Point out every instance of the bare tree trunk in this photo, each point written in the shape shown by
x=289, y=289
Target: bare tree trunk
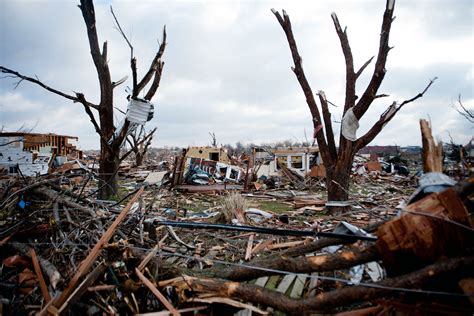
x=338, y=186
x=337, y=182
x=139, y=158
x=108, y=166
x=338, y=161
x=110, y=144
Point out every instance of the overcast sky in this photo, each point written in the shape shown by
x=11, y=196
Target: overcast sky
x=227, y=66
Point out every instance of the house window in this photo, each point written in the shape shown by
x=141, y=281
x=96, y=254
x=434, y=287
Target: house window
x=214, y=156
x=296, y=162
x=13, y=169
x=234, y=174
x=280, y=161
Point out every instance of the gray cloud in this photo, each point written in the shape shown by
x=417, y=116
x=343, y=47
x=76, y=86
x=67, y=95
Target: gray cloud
x=227, y=65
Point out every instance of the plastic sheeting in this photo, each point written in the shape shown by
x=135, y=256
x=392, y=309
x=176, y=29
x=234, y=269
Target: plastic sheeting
x=138, y=111
x=350, y=124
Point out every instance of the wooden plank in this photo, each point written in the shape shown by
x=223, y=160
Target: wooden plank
x=288, y=244
x=285, y=283
x=261, y=246
x=80, y=289
x=157, y=293
x=298, y=286
x=313, y=283
x=39, y=274
x=272, y=282
x=248, y=252
x=261, y=281
x=148, y=257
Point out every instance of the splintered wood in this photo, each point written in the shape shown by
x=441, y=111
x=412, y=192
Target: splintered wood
x=432, y=152
x=431, y=227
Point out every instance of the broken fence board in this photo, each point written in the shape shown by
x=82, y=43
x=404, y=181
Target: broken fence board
x=298, y=286
x=313, y=283
x=248, y=252
x=286, y=283
x=261, y=281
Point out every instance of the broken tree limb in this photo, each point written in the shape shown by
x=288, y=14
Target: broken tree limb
x=432, y=152
x=55, y=196
x=285, y=23
x=15, y=74
x=87, y=263
x=387, y=116
x=313, y=246
x=327, y=300
x=326, y=262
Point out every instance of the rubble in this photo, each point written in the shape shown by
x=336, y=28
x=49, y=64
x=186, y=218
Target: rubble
x=165, y=247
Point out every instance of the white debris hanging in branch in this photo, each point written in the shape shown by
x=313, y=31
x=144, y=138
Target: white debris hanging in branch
x=139, y=112
x=350, y=124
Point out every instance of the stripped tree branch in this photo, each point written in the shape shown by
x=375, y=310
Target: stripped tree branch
x=139, y=145
x=328, y=124
x=361, y=70
x=99, y=59
x=156, y=81
x=387, y=117
x=350, y=75
x=466, y=113
x=16, y=74
x=379, y=72
x=300, y=75
x=155, y=64
x=133, y=60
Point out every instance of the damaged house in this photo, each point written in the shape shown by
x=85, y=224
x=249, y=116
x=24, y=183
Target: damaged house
x=33, y=153
x=204, y=165
x=297, y=159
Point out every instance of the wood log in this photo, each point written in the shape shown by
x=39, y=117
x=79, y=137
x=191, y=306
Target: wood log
x=326, y=262
x=327, y=300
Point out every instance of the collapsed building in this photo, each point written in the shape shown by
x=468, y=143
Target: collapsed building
x=33, y=153
x=298, y=159
x=205, y=165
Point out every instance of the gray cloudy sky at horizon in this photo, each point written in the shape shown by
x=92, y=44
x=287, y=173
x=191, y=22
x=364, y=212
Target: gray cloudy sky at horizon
x=227, y=66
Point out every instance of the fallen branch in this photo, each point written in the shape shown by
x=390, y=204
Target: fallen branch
x=327, y=300
x=326, y=262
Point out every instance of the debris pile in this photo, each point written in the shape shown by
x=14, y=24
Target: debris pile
x=265, y=251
